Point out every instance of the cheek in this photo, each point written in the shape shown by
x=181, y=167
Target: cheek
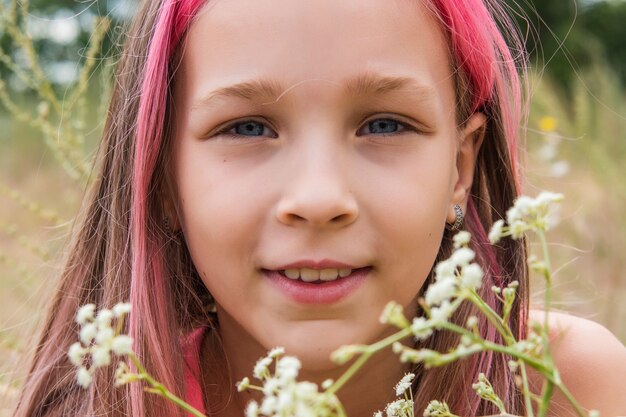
x=220, y=211
x=408, y=205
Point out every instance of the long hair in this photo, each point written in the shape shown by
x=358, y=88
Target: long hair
x=119, y=248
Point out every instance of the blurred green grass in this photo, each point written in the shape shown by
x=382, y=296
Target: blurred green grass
x=584, y=130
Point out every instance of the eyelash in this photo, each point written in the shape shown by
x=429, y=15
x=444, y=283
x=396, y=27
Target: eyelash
x=225, y=131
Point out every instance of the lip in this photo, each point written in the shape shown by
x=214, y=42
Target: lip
x=321, y=293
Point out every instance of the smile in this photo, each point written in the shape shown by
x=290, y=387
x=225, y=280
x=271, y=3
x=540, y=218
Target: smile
x=312, y=275
x=317, y=286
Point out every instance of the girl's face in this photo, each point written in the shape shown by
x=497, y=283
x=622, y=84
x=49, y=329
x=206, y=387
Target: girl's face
x=315, y=139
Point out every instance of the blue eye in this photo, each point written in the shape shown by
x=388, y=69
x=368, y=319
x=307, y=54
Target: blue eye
x=385, y=127
x=247, y=128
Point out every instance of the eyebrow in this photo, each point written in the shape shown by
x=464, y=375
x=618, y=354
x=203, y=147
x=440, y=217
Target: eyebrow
x=367, y=83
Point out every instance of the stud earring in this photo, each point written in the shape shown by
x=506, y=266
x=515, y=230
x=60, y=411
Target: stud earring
x=459, y=219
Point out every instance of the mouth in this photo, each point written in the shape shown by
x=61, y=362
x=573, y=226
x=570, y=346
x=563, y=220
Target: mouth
x=317, y=286
x=316, y=275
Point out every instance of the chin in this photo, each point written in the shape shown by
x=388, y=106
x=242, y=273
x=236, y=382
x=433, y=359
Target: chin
x=314, y=342
x=314, y=357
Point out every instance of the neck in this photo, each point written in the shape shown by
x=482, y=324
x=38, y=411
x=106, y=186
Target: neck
x=369, y=390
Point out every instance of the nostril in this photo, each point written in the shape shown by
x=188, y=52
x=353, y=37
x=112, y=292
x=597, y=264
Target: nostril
x=323, y=210
x=340, y=218
x=296, y=217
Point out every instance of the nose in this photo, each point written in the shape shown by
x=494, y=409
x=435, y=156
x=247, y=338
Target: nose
x=318, y=194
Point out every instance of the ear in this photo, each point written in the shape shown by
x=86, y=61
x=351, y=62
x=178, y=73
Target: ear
x=471, y=136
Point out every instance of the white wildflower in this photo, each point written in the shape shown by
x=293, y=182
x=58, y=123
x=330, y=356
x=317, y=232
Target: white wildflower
x=437, y=409
x=531, y=214
x=472, y=321
x=283, y=395
x=269, y=406
x=421, y=328
x=404, y=384
x=121, y=309
x=88, y=333
x=345, y=353
x=536, y=264
x=99, y=340
x=101, y=356
x=122, y=345
x=496, y=232
x=445, y=269
x=123, y=375
x=509, y=295
x=287, y=368
x=378, y=414
x=594, y=413
x=243, y=384
x=276, y=352
x=105, y=336
x=406, y=354
x=393, y=314
x=77, y=354
x=440, y=291
x=83, y=377
x=465, y=339
x=517, y=229
x=461, y=239
x=462, y=256
x=327, y=383
x=483, y=386
x=513, y=366
x=522, y=207
x=85, y=314
x=400, y=408
x=252, y=409
x=271, y=386
x=261, y=369
x=465, y=349
x=546, y=198
x=104, y=318
x=442, y=313
x=472, y=276
x=305, y=389
x=285, y=400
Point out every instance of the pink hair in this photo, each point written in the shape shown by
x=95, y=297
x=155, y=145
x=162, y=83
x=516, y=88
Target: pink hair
x=482, y=54
x=479, y=52
x=147, y=266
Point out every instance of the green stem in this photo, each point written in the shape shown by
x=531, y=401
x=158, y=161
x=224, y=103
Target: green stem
x=388, y=341
x=548, y=390
x=493, y=317
x=548, y=296
x=341, y=411
x=527, y=400
x=160, y=389
x=568, y=395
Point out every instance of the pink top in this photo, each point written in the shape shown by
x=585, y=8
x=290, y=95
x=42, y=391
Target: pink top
x=191, y=354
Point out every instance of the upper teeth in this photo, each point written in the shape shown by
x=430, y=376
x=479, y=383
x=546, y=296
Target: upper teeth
x=310, y=275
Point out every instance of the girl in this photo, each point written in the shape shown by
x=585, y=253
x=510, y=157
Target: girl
x=273, y=173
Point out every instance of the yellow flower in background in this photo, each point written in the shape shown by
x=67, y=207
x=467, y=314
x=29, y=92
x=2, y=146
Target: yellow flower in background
x=547, y=124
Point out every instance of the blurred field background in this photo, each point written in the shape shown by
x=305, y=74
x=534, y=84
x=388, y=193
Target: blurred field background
x=576, y=145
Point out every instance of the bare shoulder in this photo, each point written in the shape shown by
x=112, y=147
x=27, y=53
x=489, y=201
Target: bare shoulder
x=591, y=361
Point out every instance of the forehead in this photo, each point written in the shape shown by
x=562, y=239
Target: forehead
x=312, y=45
